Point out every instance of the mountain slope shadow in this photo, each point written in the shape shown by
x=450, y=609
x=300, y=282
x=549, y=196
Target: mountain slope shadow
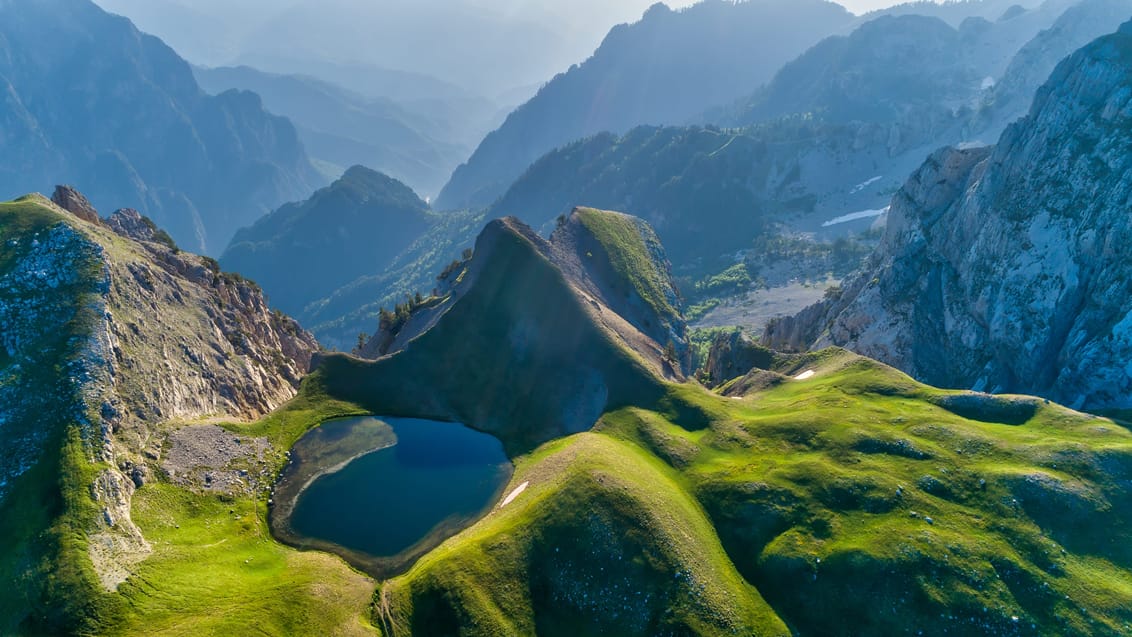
x=528, y=344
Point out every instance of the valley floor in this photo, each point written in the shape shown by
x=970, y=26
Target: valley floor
x=753, y=310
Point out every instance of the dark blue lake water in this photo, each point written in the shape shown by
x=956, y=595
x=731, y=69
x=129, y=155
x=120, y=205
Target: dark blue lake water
x=435, y=480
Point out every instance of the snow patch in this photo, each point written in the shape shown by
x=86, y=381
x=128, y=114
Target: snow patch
x=854, y=216
x=806, y=375
x=861, y=186
x=514, y=494
x=971, y=145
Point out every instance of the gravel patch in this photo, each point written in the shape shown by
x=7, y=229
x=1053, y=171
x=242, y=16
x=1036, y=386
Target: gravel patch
x=214, y=459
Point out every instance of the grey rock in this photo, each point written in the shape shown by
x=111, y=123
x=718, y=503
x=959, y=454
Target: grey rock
x=1005, y=269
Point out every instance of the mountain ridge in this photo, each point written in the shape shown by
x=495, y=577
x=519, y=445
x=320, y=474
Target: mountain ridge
x=349, y=229
x=1018, y=260
x=201, y=166
x=633, y=79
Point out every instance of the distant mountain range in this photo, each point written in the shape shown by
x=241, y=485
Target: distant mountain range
x=352, y=228
x=419, y=141
x=1000, y=268
x=116, y=112
x=479, y=37
x=665, y=69
x=833, y=134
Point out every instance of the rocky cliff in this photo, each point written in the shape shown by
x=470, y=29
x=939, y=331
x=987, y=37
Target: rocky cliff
x=112, y=337
x=1031, y=66
x=1002, y=268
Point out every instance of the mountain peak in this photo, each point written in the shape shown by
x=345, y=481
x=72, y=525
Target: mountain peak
x=349, y=229
x=569, y=326
x=74, y=202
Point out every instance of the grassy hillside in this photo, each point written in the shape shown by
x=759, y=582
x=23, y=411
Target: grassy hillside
x=605, y=541
x=216, y=570
x=829, y=495
x=44, y=463
x=856, y=502
x=633, y=256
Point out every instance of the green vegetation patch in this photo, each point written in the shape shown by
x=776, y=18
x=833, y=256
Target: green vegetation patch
x=216, y=569
x=853, y=502
x=604, y=540
x=632, y=249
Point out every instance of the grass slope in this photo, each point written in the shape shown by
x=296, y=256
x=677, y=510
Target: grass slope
x=633, y=251
x=216, y=570
x=45, y=514
x=857, y=502
x=605, y=542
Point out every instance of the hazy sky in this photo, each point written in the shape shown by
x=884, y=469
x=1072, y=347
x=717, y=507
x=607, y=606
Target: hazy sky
x=270, y=33
x=856, y=6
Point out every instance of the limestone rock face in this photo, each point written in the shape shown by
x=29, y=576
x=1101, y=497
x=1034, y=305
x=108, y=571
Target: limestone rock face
x=191, y=340
x=75, y=203
x=111, y=328
x=732, y=355
x=1006, y=269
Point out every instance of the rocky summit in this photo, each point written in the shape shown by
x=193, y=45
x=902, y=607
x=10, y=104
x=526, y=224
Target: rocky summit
x=1002, y=268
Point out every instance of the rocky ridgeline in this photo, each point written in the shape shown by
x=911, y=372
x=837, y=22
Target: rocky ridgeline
x=140, y=334
x=1005, y=269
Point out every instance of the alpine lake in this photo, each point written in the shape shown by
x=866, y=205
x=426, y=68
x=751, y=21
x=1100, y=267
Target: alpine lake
x=381, y=492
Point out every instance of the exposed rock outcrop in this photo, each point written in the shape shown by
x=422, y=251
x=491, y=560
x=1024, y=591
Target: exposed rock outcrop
x=1003, y=269
x=75, y=203
x=1080, y=24
x=112, y=328
x=732, y=355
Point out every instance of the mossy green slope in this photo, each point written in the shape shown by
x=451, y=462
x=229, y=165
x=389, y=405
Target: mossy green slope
x=42, y=424
x=605, y=541
x=622, y=263
x=856, y=502
x=853, y=502
x=632, y=249
x=216, y=569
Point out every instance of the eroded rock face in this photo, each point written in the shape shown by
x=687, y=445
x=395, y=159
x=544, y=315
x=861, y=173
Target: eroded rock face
x=732, y=355
x=75, y=203
x=1006, y=269
x=111, y=328
x=191, y=341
